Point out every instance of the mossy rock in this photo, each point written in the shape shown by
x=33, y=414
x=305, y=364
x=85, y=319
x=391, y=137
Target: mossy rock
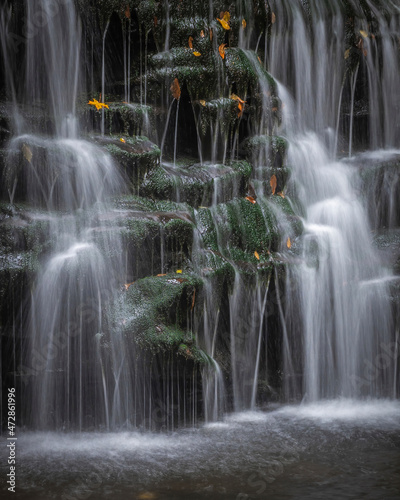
x=197, y=185
x=136, y=155
x=263, y=150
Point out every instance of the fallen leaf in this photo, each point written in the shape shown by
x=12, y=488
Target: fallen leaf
x=158, y=275
x=274, y=110
x=244, y=24
x=221, y=50
x=197, y=54
x=98, y=104
x=288, y=243
x=127, y=285
x=224, y=24
x=128, y=12
x=347, y=53
x=147, y=495
x=364, y=34
x=226, y=17
x=211, y=35
x=240, y=108
x=273, y=18
x=190, y=42
x=202, y=102
x=175, y=89
x=122, y=140
x=237, y=98
x=202, y=34
x=365, y=52
x=259, y=59
x=26, y=151
x=179, y=271
x=273, y=183
x=251, y=200
x=155, y=21
x=193, y=299
x=281, y=194
x=256, y=255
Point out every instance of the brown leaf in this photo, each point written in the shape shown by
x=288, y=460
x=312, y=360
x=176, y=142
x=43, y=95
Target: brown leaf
x=273, y=18
x=26, y=151
x=221, y=50
x=365, y=52
x=274, y=110
x=176, y=89
x=193, y=299
x=190, y=42
x=288, y=243
x=128, y=12
x=202, y=34
x=127, y=285
x=347, y=54
x=211, y=35
x=256, y=255
x=251, y=200
x=281, y=194
x=273, y=182
x=158, y=275
x=155, y=21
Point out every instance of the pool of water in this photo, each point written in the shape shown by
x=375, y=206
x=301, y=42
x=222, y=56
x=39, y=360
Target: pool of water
x=332, y=450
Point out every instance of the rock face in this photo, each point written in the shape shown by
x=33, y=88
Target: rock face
x=196, y=175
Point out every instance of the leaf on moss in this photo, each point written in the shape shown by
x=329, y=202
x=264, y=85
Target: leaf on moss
x=281, y=194
x=202, y=34
x=256, y=255
x=203, y=103
x=158, y=275
x=179, y=271
x=273, y=182
x=127, y=285
x=237, y=98
x=224, y=24
x=251, y=200
x=122, y=140
x=197, y=54
x=190, y=42
x=98, y=104
x=176, y=89
x=221, y=50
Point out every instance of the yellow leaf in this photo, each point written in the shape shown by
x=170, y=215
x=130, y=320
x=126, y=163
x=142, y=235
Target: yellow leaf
x=197, y=54
x=224, y=24
x=347, y=53
x=179, y=271
x=202, y=102
x=175, y=89
x=202, y=34
x=251, y=200
x=244, y=24
x=190, y=42
x=127, y=285
x=98, y=104
x=26, y=151
x=364, y=34
x=122, y=140
x=288, y=243
x=221, y=50
x=256, y=255
x=226, y=17
x=237, y=98
x=273, y=18
x=273, y=183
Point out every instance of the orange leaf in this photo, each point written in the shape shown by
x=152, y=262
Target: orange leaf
x=122, y=140
x=273, y=18
x=240, y=107
x=203, y=103
x=211, y=35
x=175, y=89
x=128, y=12
x=190, y=42
x=224, y=24
x=226, y=17
x=158, y=275
x=288, y=243
x=221, y=50
x=237, y=98
x=127, y=285
x=98, y=104
x=202, y=34
x=259, y=59
x=251, y=200
x=193, y=299
x=256, y=255
x=273, y=183
x=197, y=54
x=281, y=194
x=244, y=24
